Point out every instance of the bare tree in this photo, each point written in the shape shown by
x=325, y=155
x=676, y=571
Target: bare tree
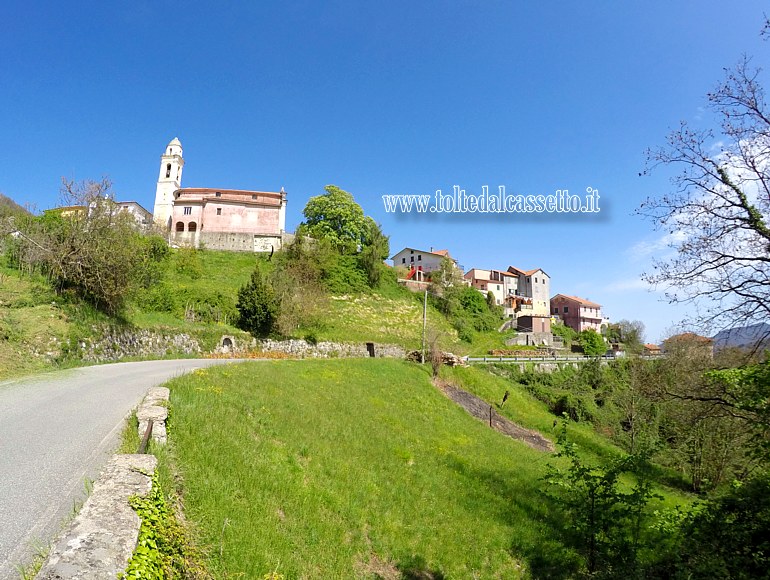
x=717, y=217
x=88, y=247
x=435, y=353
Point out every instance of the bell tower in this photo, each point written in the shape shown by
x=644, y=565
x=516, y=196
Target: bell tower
x=169, y=180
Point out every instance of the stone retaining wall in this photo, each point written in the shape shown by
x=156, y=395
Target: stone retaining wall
x=304, y=349
x=115, y=345
x=102, y=538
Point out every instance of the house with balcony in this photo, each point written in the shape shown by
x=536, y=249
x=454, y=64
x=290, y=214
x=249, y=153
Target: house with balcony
x=577, y=313
x=531, y=304
x=419, y=263
x=502, y=285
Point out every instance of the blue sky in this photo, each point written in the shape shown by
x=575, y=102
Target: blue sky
x=382, y=98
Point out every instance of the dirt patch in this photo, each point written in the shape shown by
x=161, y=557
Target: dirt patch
x=480, y=409
x=374, y=565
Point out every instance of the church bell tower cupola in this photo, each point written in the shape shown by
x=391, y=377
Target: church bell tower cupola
x=169, y=180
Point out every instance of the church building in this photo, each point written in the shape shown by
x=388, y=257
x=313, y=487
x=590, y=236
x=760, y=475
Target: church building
x=216, y=218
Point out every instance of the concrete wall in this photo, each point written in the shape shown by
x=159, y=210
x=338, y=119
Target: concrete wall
x=531, y=338
x=241, y=242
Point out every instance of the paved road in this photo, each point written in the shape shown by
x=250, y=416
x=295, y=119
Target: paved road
x=56, y=430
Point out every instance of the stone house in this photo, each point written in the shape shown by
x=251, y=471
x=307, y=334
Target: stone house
x=502, y=285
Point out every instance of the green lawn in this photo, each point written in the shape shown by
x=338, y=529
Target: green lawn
x=339, y=469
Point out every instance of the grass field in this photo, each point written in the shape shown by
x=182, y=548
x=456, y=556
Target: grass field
x=359, y=468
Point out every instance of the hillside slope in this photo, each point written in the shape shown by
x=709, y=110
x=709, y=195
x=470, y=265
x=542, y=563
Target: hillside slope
x=33, y=325
x=197, y=297
x=362, y=468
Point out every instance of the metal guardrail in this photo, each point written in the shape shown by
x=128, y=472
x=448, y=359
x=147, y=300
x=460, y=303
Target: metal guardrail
x=545, y=358
x=542, y=358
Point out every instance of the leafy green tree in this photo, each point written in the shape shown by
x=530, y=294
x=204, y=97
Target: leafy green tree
x=567, y=334
x=373, y=254
x=257, y=304
x=727, y=536
x=335, y=216
x=606, y=521
x=592, y=343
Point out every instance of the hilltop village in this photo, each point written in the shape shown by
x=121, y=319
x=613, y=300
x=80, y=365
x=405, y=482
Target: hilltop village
x=255, y=221
x=524, y=295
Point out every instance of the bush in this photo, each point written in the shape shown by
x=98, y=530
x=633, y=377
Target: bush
x=575, y=407
x=161, y=298
x=257, y=305
x=726, y=537
x=567, y=334
x=344, y=276
x=96, y=254
x=605, y=521
x=592, y=343
x=188, y=263
x=464, y=329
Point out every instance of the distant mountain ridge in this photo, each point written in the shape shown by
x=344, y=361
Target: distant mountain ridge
x=8, y=207
x=743, y=336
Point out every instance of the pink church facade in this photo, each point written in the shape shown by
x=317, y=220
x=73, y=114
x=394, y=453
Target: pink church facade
x=229, y=219
x=221, y=219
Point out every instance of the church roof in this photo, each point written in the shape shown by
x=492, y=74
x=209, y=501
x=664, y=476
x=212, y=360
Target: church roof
x=175, y=141
x=219, y=195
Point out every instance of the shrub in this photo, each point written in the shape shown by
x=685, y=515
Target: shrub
x=345, y=276
x=257, y=305
x=592, y=343
x=606, y=522
x=188, y=263
x=160, y=298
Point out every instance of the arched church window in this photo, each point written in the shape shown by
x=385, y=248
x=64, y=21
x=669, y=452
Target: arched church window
x=180, y=226
x=168, y=170
x=192, y=226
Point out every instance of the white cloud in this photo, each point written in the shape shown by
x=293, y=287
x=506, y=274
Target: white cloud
x=657, y=247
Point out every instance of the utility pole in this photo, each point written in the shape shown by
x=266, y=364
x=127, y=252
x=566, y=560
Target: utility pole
x=424, y=322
